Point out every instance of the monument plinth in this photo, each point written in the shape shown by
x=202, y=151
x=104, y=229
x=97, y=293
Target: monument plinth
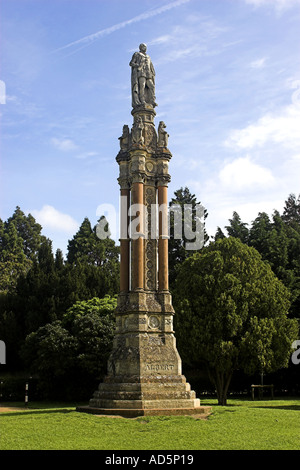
x=144, y=374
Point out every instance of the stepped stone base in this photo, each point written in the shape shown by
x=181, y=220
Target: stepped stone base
x=145, y=396
x=144, y=374
x=134, y=413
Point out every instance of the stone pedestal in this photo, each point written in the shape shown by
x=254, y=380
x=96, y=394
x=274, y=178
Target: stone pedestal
x=144, y=369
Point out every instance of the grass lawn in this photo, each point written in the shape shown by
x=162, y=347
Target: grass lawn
x=241, y=425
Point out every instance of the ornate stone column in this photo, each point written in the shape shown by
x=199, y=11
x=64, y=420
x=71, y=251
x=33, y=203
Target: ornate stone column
x=163, y=273
x=124, y=240
x=144, y=375
x=137, y=239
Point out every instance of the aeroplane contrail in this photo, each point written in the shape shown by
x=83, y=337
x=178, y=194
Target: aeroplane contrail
x=86, y=40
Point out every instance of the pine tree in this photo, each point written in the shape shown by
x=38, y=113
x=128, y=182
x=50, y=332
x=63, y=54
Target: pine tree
x=13, y=261
x=59, y=260
x=36, y=290
x=219, y=234
x=29, y=231
x=20, y=239
x=178, y=251
x=259, y=234
x=278, y=242
x=291, y=212
x=81, y=247
x=237, y=228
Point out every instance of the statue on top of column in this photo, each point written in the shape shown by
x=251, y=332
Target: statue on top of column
x=142, y=78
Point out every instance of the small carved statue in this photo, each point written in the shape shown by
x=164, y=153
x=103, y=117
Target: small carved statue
x=124, y=139
x=142, y=78
x=162, y=135
x=137, y=131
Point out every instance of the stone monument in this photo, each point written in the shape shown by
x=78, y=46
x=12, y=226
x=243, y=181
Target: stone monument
x=144, y=374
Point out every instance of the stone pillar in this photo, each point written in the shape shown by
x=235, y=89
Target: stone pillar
x=163, y=284
x=124, y=241
x=137, y=197
x=144, y=374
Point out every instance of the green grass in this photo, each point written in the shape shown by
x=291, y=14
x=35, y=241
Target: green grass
x=243, y=425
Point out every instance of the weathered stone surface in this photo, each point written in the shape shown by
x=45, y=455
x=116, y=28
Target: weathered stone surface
x=144, y=369
x=133, y=413
x=144, y=373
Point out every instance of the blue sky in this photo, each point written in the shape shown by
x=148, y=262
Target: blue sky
x=227, y=87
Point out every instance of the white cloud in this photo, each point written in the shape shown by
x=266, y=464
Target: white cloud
x=248, y=211
x=243, y=174
x=279, y=5
x=280, y=128
x=196, y=36
x=160, y=40
x=51, y=218
x=84, y=155
x=258, y=64
x=65, y=145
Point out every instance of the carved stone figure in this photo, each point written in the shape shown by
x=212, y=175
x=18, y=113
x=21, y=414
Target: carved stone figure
x=162, y=135
x=137, y=131
x=142, y=78
x=124, y=139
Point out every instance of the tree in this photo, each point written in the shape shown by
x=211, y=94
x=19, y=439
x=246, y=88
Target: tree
x=20, y=239
x=178, y=251
x=259, y=234
x=36, y=291
x=86, y=248
x=69, y=354
x=237, y=228
x=234, y=312
x=278, y=242
x=92, y=323
x=13, y=261
x=98, y=257
x=291, y=211
x=50, y=353
x=219, y=234
x=29, y=231
x=104, y=307
x=81, y=247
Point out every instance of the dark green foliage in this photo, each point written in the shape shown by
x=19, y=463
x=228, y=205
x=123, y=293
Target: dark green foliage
x=42, y=290
x=28, y=230
x=233, y=309
x=69, y=355
x=278, y=241
x=38, y=287
x=237, y=228
x=20, y=240
x=178, y=251
x=291, y=212
x=86, y=248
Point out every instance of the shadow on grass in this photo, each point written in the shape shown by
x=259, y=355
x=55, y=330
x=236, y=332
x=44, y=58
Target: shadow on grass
x=28, y=411
x=280, y=407
x=216, y=405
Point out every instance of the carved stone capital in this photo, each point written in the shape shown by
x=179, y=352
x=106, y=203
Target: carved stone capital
x=122, y=156
x=163, y=180
x=137, y=177
x=144, y=110
x=124, y=183
x=163, y=153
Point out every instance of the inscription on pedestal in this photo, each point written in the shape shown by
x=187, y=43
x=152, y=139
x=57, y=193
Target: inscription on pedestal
x=159, y=367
